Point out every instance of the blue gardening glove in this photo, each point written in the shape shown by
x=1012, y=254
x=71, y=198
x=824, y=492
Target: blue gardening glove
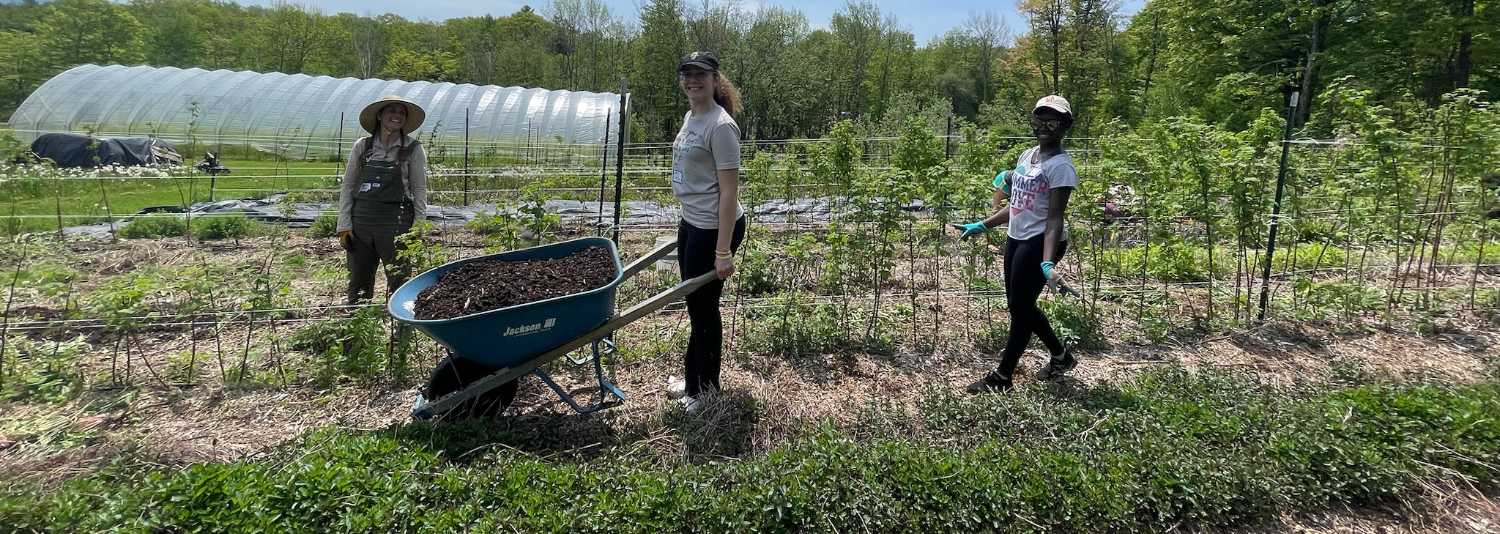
x=1000, y=179
x=971, y=229
x=1049, y=272
x=1000, y=182
x=1055, y=279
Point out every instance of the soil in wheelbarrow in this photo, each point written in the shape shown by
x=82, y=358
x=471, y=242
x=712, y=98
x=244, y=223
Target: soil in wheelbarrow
x=490, y=285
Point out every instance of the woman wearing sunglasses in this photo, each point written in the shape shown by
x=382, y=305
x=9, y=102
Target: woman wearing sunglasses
x=1036, y=239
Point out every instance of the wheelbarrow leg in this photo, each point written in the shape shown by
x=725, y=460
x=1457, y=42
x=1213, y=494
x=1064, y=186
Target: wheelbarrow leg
x=601, y=396
x=605, y=382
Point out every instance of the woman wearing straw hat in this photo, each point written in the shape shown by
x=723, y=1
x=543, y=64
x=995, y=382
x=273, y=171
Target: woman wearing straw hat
x=384, y=187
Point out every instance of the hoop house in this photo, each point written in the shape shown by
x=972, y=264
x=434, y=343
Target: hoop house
x=298, y=113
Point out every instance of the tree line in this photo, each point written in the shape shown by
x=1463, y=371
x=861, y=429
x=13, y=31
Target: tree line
x=1217, y=60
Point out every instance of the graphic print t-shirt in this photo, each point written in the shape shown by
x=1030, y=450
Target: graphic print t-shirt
x=1030, y=192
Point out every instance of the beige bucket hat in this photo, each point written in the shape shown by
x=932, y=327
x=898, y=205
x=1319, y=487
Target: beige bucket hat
x=369, y=118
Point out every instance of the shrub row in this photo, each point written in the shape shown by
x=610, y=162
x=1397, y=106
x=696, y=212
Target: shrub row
x=204, y=228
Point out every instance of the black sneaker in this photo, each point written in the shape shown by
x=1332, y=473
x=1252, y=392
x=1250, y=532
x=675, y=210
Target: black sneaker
x=991, y=383
x=1058, y=365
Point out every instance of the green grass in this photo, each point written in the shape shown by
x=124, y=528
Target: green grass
x=36, y=201
x=84, y=201
x=1168, y=449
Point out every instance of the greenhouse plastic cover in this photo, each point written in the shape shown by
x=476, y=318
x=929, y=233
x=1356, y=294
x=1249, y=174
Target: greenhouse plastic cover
x=275, y=110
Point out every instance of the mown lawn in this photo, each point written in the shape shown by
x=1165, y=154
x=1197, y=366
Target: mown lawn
x=34, y=199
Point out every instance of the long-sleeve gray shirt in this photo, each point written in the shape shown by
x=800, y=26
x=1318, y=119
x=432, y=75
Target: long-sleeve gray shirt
x=415, y=174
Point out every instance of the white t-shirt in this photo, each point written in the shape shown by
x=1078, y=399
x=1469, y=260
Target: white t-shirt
x=707, y=143
x=1030, y=192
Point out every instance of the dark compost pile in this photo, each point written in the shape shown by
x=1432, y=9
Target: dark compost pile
x=489, y=285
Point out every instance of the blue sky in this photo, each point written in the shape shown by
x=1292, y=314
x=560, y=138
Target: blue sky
x=924, y=19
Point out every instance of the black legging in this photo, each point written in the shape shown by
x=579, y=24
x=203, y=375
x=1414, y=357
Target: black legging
x=1023, y=286
x=695, y=256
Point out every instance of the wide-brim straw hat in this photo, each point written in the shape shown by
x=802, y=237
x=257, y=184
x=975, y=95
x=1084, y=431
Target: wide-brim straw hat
x=369, y=118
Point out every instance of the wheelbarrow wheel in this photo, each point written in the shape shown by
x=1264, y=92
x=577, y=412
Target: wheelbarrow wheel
x=453, y=374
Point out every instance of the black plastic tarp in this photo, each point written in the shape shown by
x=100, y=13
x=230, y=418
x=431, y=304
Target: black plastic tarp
x=74, y=150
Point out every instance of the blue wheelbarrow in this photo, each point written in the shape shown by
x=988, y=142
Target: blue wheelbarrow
x=488, y=351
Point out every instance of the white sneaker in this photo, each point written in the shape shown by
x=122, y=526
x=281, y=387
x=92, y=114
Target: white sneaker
x=676, y=388
x=690, y=404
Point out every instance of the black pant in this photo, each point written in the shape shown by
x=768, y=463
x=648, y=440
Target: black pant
x=705, y=351
x=1023, y=286
x=367, y=250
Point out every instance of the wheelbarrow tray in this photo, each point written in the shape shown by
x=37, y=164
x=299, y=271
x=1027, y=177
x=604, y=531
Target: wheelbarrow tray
x=480, y=337
x=514, y=335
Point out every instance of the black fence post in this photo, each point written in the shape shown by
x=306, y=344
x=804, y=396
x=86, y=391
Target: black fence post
x=466, y=156
x=620, y=158
x=339, y=145
x=1265, y=277
x=603, y=169
x=948, y=140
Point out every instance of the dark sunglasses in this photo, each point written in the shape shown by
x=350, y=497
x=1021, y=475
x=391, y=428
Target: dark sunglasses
x=1050, y=124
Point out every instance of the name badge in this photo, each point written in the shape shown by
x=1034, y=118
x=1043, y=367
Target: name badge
x=676, y=176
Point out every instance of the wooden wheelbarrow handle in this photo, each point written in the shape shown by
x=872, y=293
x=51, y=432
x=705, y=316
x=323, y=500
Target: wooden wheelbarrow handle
x=650, y=257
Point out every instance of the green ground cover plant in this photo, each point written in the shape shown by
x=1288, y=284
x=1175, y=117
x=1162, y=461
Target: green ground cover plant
x=225, y=227
x=1166, y=449
x=154, y=227
x=325, y=225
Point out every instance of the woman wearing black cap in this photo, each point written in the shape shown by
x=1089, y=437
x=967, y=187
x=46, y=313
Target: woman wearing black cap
x=705, y=178
x=384, y=187
x=1038, y=191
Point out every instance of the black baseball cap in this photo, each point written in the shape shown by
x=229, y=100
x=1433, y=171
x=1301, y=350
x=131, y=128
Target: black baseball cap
x=700, y=60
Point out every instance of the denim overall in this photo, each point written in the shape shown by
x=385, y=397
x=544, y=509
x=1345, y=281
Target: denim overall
x=381, y=211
